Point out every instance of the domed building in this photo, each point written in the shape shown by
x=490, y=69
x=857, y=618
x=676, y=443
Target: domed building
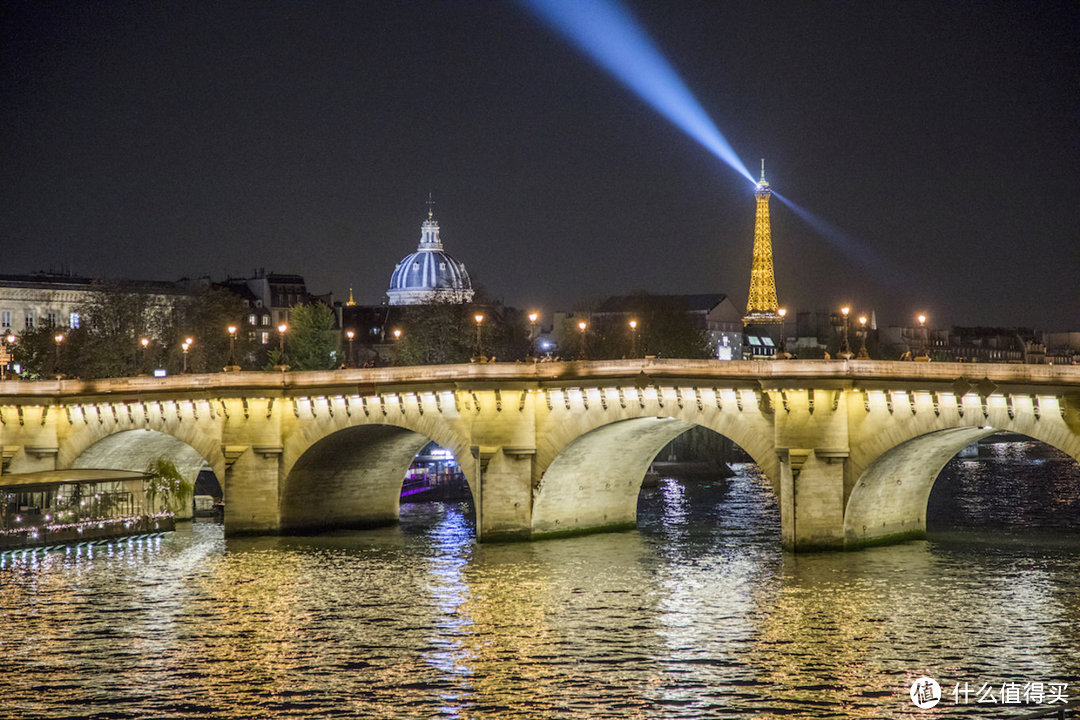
x=429, y=275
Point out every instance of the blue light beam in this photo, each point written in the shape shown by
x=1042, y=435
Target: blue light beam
x=889, y=275
x=612, y=38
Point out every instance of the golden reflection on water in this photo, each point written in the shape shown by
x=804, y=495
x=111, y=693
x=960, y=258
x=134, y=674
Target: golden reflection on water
x=697, y=614
x=520, y=619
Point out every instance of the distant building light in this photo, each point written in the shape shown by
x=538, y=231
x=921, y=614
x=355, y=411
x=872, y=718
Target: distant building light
x=160, y=372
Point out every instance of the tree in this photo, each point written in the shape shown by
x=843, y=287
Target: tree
x=35, y=352
x=312, y=342
x=444, y=332
x=112, y=322
x=665, y=328
x=166, y=484
x=204, y=317
x=436, y=334
x=510, y=335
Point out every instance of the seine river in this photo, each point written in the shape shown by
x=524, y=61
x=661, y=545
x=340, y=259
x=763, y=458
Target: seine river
x=696, y=614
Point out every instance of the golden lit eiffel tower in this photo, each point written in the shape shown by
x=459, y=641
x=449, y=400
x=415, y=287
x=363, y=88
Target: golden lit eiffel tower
x=761, y=307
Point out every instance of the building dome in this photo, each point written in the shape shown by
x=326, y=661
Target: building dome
x=429, y=275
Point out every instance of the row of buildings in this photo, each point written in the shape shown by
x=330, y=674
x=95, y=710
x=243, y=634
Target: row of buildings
x=430, y=275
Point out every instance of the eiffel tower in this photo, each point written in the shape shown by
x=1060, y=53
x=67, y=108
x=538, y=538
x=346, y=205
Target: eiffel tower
x=761, y=307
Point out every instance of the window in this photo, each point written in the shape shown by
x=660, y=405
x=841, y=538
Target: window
x=266, y=320
x=73, y=321
x=264, y=337
x=5, y=318
x=52, y=318
x=29, y=319
x=251, y=320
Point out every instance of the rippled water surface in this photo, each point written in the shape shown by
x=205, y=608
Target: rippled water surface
x=698, y=613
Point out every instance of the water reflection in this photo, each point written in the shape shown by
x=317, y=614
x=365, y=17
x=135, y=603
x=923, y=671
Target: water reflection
x=696, y=614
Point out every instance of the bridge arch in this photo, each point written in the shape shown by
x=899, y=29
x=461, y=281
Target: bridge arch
x=92, y=426
x=594, y=481
x=352, y=476
x=889, y=500
x=136, y=449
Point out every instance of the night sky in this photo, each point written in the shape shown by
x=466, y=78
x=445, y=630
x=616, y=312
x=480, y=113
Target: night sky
x=161, y=140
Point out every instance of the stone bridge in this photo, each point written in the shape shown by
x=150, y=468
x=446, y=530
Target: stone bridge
x=851, y=448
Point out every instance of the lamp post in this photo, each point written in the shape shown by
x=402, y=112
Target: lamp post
x=845, y=351
x=782, y=355
x=583, y=326
x=863, y=355
x=232, y=366
x=58, y=338
x=633, y=337
x=5, y=353
x=283, y=364
x=350, y=334
x=533, y=317
x=145, y=343
x=397, y=348
x=922, y=335
x=479, y=318
x=184, y=347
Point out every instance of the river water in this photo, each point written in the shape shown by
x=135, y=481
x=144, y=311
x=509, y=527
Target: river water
x=697, y=613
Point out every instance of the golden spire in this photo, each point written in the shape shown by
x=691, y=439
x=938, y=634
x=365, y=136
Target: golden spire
x=762, y=305
x=350, y=302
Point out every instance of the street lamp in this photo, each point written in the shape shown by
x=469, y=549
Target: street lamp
x=533, y=317
x=782, y=355
x=283, y=364
x=845, y=351
x=58, y=338
x=863, y=355
x=145, y=342
x=633, y=338
x=231, y=329
x=923, y=337
x=397, y=347
x=479, y=318
x=350, y=334
x=184, y=347
x=583, y=326
x=5, y=353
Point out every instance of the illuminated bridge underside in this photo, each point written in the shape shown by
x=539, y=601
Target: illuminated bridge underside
x=851, y=448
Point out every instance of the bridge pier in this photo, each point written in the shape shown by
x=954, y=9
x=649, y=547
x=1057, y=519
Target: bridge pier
x=251, y=492
x=502, y=491
x=811, y=499
x=812, y=446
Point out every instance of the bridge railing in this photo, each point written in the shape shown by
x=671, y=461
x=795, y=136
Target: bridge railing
x=753, y=373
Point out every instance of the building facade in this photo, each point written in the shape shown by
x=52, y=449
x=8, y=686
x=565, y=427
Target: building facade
x=269, y=297
x=57, y=299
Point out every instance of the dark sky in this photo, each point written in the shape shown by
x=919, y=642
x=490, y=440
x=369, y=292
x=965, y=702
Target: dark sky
x=158, y=140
